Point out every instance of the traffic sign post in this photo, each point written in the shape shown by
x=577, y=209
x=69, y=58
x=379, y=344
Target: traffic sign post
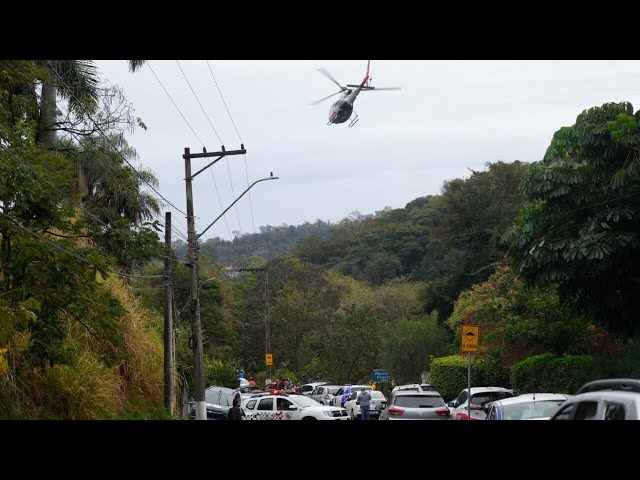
x=470, y=334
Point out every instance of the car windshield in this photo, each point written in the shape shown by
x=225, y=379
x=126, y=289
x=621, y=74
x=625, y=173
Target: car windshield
x=305, y=401
x=419, y=401
x=482, y=398
x=219, y=397
x=525, y=411
x=376, y=395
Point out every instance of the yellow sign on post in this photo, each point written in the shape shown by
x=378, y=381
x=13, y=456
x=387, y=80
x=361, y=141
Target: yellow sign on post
x=268, y=358
x=470, y=338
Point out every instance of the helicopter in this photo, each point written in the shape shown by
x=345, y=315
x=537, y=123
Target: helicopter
x=341, y=110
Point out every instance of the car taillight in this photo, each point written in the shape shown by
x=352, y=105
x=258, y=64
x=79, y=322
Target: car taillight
x=395, y=411
x=443, y=411
x=326, y=397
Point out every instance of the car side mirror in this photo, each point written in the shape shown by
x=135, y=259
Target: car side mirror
x=452, y=404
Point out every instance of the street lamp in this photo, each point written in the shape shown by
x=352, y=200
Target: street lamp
x=225, y=211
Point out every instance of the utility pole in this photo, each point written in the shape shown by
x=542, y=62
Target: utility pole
x=168, y=318
x=267, y=325
x=196, y=327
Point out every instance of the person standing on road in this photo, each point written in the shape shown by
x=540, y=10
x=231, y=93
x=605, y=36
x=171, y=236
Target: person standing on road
x=364, y=400
x=235, y=412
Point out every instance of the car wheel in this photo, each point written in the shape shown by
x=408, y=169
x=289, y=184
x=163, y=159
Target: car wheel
x=308, y=419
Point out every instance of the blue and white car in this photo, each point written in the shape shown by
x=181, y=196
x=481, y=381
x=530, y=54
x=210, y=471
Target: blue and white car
x=531, y=406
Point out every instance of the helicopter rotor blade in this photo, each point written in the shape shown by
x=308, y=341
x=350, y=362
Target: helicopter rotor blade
x=323, y=99
x=386, y=88
x=330, y=77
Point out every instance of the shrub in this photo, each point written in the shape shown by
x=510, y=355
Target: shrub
x=449, y=375
x=550, y=373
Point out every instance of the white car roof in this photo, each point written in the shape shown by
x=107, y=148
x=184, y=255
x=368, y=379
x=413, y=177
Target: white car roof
x=530, y=397
x=475, y=390
x=615, y=395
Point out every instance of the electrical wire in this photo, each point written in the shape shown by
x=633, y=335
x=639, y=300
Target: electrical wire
x=219, y=138
x=100, y=162
x=241, y=141
x=64, y=250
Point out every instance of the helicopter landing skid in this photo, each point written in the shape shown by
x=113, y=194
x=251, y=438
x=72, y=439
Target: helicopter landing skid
x=354, y=120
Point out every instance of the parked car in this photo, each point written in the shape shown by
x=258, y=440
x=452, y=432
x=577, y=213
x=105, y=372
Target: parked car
x=343, y=393
x=607, y=399
x=289, y=407
x=218, y=402
x=531, y=406
x=416, y=387
x=480, y=396
x=622, y=384
x=378, y=402
x=412, y=405
x=307, y=388
x=324, y=394
x=601, y=405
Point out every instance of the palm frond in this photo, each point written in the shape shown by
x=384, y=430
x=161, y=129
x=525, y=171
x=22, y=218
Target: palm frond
x=79, y=84
x=136, y=65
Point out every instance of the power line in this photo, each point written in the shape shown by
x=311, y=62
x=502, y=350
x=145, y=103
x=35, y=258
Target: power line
x=225, y=103
x=246, y=172
x=64, y=250
x=174, y=104
x=219, y=138
x=198, y=100
x=240, y=138
x=109, y=140
x=220, y=201
x=117, y=173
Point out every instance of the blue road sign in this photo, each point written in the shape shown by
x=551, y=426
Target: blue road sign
x=381, y=376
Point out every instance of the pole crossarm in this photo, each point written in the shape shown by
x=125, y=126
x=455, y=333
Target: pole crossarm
x=221, y=154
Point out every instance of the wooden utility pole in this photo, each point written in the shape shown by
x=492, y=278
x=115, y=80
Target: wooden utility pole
x=196, y=325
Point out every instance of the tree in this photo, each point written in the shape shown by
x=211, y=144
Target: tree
x=409, y=344
x=581, y=227
x=350, y=349
x=465, y=243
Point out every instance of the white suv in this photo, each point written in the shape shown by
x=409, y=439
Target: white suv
x=480, y=396
x=289, y=407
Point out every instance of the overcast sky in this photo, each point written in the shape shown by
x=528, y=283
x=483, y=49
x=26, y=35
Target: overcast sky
x=449, y=117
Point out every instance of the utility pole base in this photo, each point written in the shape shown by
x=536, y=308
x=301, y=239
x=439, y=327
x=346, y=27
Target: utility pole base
x=201, y=411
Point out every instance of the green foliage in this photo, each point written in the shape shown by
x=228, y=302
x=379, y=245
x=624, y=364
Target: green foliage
x=582, y=225
x=270, y=243
x=409, y=344
x=449, y=375
x=72, y=348
x=219, y=373
x=349, y=350
x=550, y=373
x=517, y=320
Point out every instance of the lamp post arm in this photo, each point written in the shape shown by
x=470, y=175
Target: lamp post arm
x=234, y=202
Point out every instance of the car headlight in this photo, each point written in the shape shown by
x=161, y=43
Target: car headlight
x=328, y=413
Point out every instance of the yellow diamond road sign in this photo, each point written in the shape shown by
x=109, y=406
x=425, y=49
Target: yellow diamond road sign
x=268, y=358
x=470, y=338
